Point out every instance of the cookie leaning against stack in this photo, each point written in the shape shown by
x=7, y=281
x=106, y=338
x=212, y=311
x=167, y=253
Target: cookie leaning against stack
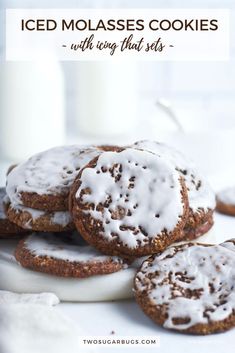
x=38, y=189
x=129, y=202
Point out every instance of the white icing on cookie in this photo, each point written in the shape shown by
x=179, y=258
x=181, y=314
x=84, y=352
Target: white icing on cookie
x=227, y=196
x=208, y=270
x=49, y=172
x=200, y=193
x=62, y=218
x=147, y=191
x=2, y=196
x=66, y=248
x=112, y=286
x=167, y=152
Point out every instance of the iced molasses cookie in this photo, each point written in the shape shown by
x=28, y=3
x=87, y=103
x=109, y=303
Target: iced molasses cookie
x=225, y=201
x=7, y=228
x=45, y=221
x=64, y=255
x=43, y=181
x=200, y=195
x=189, y=288
x=129, y=202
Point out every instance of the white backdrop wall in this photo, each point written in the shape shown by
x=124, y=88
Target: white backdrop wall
x=205, y=88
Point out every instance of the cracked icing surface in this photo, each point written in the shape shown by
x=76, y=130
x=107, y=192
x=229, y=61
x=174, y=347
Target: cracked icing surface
x=134, y=194
x=192, y=282
x=200, y=193
x=49, y=172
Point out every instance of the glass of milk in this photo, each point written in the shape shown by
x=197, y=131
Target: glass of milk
x=106, y=97
x=31, y=108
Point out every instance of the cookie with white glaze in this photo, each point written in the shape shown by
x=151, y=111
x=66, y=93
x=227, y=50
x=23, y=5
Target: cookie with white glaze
x=44, y=180
x=64, y=255
x=38, y=220
x=225, y=201
x=7, y=228
x=200, y=195
x=189, y=288
x=129, y=202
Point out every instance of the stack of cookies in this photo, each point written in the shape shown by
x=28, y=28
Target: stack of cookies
x=123, y=203
x=131, y=200
x=38, y=189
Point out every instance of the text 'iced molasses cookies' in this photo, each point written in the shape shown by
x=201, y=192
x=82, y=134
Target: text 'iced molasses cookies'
x=43, y=182
x=200, y=195
x=189, y=288
x=130, y=202
x=64, y=255
x=7, y=228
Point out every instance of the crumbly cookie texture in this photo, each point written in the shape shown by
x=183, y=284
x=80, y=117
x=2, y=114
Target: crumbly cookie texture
x=129, y=202
x=44, y=180
x=200, y=195
x=64, y=255
x=189, y=288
